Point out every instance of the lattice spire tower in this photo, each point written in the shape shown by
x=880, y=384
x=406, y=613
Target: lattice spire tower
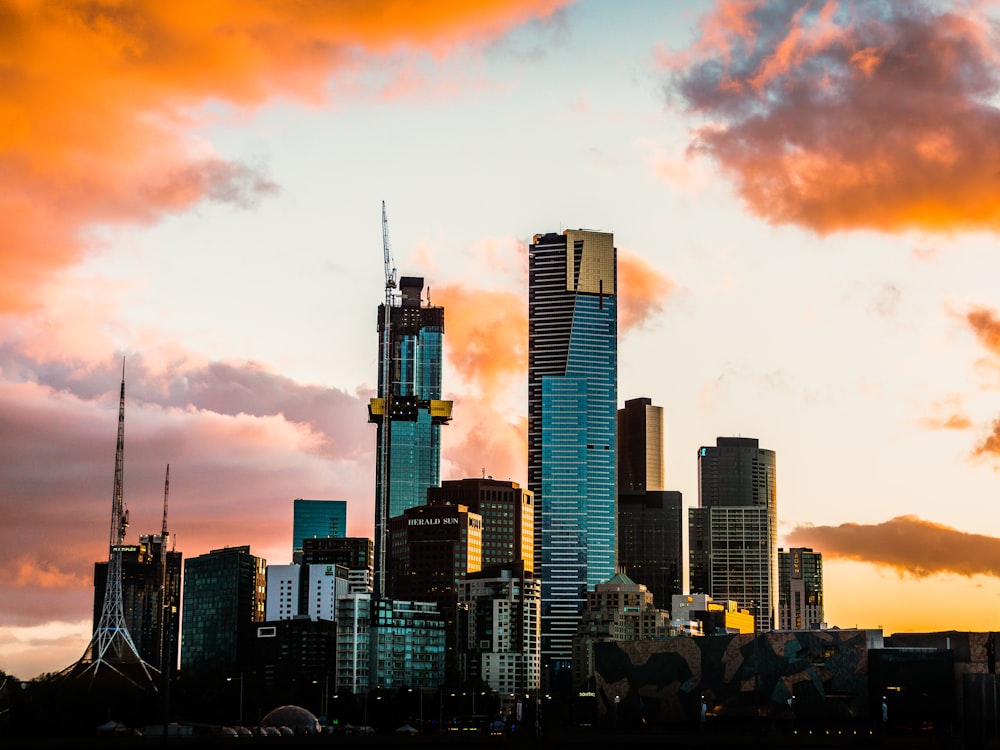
x=111, y=647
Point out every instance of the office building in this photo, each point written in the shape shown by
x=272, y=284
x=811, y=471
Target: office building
x=651, y=541
x=800, y=577
x=507, y=511
x=151, y=598
x=355, y=553
x=316, y=519
x=224, y=600
x=500, y=622
x=733, y=532
x=650, y=518
x=433, y=548
x=572, y=407
x=640, y=446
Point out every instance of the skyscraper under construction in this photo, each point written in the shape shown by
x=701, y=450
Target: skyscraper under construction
x=416, y=411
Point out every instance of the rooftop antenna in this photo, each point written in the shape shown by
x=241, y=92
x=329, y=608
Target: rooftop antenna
x=111, y=647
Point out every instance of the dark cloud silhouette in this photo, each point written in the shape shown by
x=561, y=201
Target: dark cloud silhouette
x=909, y=544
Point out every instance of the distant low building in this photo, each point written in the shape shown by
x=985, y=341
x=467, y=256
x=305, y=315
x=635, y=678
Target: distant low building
x=800, y=579
x=617, y=610
x=712, y=618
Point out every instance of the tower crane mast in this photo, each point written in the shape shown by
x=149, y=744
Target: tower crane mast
x=390, y=269
x=382, y=501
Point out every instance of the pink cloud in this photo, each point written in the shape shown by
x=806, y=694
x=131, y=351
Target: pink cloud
x=841, y=116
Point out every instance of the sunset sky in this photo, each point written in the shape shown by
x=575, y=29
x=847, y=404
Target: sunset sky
x=805, y=198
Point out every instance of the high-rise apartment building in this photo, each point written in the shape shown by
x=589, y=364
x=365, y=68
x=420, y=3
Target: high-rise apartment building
x=316, y=519
x=734, y=530
x=508, y=514
x=151, y=598
x=409, y=647
x=650, y=518
x=572, y=405
x=500, y=639
x=224, y=600
x=800, y=577
x=305, y=591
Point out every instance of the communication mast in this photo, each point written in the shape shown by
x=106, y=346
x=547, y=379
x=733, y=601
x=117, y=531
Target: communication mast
x=111, y=646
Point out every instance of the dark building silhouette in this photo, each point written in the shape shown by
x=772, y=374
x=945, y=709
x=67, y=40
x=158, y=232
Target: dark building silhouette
x=650, y=518
x=651, y=541
x=296, y=661
x=151, y=598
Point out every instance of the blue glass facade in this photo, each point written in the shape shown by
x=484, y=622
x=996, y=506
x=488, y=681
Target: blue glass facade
x=416, y=339
x=572, y=411
x=316, y=519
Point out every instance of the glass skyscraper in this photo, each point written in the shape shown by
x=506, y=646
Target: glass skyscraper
x=224, y=599
x=572, y=407
x=316, y=519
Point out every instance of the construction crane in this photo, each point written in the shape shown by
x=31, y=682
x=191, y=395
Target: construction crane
x=382, y=502
x=390, y=269
x=164, y=664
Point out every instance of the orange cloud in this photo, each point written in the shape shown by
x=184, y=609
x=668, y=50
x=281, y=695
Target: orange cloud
x=98, y=101
x=990, y=445
x=487, y=335
x=909, y=544
x=484, y=440
x=850, y=116
x=43, y=575
x=947, y=415
x=642, y=291
x=986, y=326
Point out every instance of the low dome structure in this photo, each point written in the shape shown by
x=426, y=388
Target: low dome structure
x=296, y=718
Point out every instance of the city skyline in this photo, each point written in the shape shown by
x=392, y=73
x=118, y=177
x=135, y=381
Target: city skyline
x=806, y=230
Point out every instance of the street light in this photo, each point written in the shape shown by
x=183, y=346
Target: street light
x=240, y=678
